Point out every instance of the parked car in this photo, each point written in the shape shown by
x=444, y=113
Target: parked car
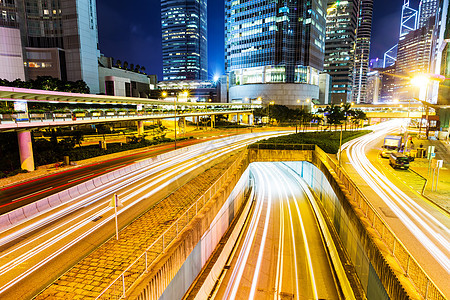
x=399, y=160
x=387, y=150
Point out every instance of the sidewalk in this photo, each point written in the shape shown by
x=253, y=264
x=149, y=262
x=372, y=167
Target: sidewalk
x=441, y=196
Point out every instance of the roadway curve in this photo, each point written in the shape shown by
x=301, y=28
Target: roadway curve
x=281, y=255
x=21, y=194
x=35, y=253
x=422, y=227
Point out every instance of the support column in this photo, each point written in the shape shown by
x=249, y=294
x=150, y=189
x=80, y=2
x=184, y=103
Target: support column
x=238, y=118
x=213, y=121
x=140, y=128
x=25, y=150
x=245, y=119
x=230, y=118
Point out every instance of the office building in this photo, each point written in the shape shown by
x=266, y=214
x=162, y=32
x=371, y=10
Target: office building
x=409, y=19
x=184, y=39
x=341, y=24
x=57, y=38
x=387, y=76
x=362, y=51
x=427, y=9
x=413, y=58
x=115, y=80
x=373, y=87
x=11, y=51
x=274, y=50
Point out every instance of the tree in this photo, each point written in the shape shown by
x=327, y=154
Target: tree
x=119, y=63
x=334, y=115
x=125, y=64
x=143, y=69
x=131, y=67
x=137, y=68
x=347, y=112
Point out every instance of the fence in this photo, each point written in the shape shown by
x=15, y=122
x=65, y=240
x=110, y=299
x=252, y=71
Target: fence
x=413, y=271
x=119, y=287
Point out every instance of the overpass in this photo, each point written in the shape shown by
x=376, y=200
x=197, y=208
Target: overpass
x=142, y=109
x=413, y=110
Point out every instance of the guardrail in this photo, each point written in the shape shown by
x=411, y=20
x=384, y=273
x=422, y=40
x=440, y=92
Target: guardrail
x=423, y=284
x=122, y=283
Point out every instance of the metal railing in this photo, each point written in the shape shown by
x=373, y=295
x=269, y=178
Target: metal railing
x=423, y=284
x=122, y=283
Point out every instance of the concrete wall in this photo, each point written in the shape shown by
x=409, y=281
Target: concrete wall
x=210, y=239
x=11, y=56
x=280, y=93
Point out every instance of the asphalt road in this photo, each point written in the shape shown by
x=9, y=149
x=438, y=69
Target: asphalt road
x=422, y=227
x=36, y=252
x=21, y=194
x=281, y=255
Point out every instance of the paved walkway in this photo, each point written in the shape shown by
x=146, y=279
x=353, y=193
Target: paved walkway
x=441, y=196
x=95, y=272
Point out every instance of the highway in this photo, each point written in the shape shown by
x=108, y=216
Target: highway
x=21, y=194
x=36, y=252
x=421, y=226
x=281, y=254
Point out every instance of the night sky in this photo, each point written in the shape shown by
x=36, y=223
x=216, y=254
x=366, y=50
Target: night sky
x=133, y=32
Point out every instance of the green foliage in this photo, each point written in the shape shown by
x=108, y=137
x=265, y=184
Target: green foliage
x=50, y=84
x=326, y=140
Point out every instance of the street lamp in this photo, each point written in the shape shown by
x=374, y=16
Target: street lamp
x=268, y=114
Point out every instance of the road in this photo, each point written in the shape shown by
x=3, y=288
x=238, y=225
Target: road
x=281, y=255
x=422, y=227
x=36, y=252
x=21, y=194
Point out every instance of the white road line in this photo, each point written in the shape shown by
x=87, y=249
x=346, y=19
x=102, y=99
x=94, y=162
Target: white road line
x=80, y=177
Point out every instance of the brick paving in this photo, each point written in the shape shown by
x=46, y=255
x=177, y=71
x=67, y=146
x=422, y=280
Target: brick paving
x=441, y=196
x=95, y=272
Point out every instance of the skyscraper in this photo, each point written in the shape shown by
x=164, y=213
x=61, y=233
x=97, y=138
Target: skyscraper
x=184, y=39
x=339, y=48
x=427, y=9
x=408, y=21
x=274, y=49
x=413, y=58
x=362, y=51
x=57, y=38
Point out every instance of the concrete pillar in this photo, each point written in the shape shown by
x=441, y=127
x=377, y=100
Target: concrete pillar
x=245, y=119
x=25, y=150
x=140, y=127
x=213, y=121
x=230, y=118
x=238, y=118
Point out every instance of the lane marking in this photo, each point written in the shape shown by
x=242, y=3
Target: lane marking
x=32, y=194
x=80, y=177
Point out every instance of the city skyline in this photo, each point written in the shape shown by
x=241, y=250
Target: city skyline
x=140, y=32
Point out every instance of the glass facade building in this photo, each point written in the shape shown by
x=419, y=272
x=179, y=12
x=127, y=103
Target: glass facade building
x=59, y=38
x=362, y=51
x=274, y=41
x=184, y=39
x=342, y=20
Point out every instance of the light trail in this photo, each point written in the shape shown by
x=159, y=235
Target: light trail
x=423, y=226
x=285, y=275
x=132, y=188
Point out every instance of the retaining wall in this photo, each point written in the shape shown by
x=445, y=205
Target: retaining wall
x=173, y=273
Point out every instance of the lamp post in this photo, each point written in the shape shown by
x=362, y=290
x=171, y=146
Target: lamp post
x=268, y=113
